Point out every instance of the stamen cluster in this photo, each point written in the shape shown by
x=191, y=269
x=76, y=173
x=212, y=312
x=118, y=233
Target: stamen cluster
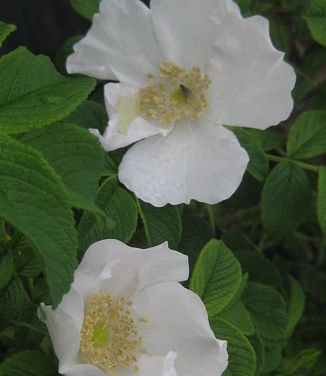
x=177, y=94
x=109, y=336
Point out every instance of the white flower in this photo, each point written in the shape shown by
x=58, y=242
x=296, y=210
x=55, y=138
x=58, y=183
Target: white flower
x=126, y=314
x=186, y=68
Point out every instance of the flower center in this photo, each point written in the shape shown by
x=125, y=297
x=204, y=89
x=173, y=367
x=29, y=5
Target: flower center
x=109, y=336
x=177, y=93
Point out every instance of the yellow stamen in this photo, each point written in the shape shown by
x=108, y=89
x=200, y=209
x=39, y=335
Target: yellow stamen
x=177, y=94
x=109, y=337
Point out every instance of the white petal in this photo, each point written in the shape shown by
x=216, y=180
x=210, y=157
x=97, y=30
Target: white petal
x=121, y=41
x=251, y=83
x=194, y=161
x=64, y=325
x=113, y=267
x=185, y=29
x=125, y=126
x=157, y=365
x=177, y=321
x=81, y=370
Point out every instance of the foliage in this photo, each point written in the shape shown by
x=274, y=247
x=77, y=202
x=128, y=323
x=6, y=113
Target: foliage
x=257, y=260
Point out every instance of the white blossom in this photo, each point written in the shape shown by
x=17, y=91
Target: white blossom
x=186, y=68
x=126, y=314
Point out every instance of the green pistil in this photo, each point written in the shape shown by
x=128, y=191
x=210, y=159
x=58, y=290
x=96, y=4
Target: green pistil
x=101, y=336
x=178, y=96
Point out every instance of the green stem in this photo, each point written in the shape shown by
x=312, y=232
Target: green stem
x=306, y=166
x=211, y=217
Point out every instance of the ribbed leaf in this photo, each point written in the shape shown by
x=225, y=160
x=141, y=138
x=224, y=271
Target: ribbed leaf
x=316, y=18
x=307, y=136
x=34, y=200
x=216, y=276
x=86, y=8
x=286, y=199
x=27, y=363
x=33, y=93
x=268, y=310
x=76, y=156
x=321, y=198
x=242, y=358
x=161, y=224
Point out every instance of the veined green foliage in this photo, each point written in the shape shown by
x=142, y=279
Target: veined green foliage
x=34, y=94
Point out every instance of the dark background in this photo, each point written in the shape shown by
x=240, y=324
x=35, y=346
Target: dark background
x=42, y=25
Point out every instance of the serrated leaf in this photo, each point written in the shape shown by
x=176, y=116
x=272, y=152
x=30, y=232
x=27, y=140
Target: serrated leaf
x=86, y=8
x=5, y=30
x=258, y=164
x=296, y=304
x=161, y=224
x=27, y=363
x=216, y=276
x=286, y=199
x=260, y=269
x=119, y=205
x=6, y=269
x=239, y=317
x=307, y=136
x=306, y=359
x=268, y=310
x=316, y=18
x=268, y=139
x=242, y=358
x=34, y=200
x=13, y=300
x=34, y=94
x=76, y=156
x=321, y=198
x=90, y=115
x=258, y=346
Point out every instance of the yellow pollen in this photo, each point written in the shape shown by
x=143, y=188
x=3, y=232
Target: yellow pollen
x=174, y=95
x=109, y=337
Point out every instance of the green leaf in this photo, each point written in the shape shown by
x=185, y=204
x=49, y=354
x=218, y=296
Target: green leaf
x=280, y=34
x=89, y=115
x=86, y=8
x=260, y=269
x=307, y=136
x=27, y=363
x=239, y=317
x=242, y=358
x=33, y=93
x=33, y=199
x=258, y=345
x=258, y=164
x=321, y=198
x=64, y=51
x=13, y=301
x=316, y=19
x=286, y=199
x=119, y=205
x=216, y=276
x=6, y=269
x=273, y=358
x=76, y=156
x=196, y=232
x=268, y=139
x=161, y=224
x=296, y=304
x=268, y=310
x=5, y=30
x=306, y=359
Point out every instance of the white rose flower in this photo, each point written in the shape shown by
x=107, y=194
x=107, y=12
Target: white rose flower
x=186, y=68
x=126, y=314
